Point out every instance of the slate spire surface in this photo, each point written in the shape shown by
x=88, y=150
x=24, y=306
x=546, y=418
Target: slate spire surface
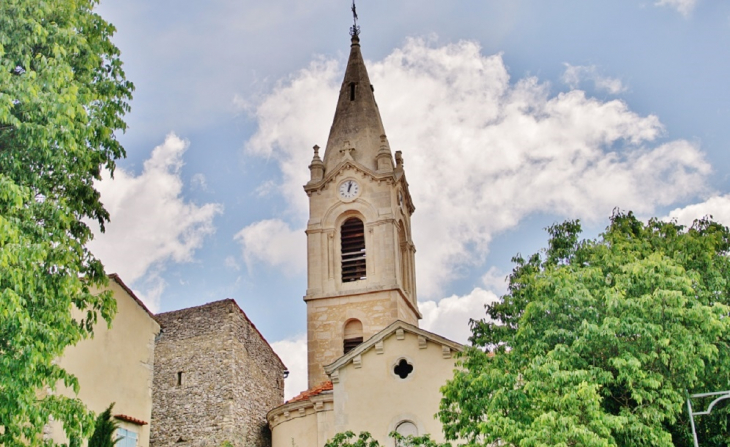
x=357, y=123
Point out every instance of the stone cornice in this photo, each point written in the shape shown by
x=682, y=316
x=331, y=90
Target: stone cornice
x=312, y=228
x=397, y=327
x=392, y=176
x=298, y=409
x=365, y=291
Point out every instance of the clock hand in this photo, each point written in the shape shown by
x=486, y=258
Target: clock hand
x=349, y=185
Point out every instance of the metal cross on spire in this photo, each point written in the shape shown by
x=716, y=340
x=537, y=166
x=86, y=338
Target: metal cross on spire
x=354, y=30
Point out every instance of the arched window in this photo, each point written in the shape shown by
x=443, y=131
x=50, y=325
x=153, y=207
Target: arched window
x=353, y=335
x=406, y=428
x=352, y=236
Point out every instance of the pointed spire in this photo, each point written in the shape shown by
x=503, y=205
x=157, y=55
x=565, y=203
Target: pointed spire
x=357, y=121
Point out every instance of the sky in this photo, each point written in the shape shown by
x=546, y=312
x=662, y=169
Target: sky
x=511, y=116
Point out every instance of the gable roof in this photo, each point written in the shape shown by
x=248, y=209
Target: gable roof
x=385, y=333
x=115, y=277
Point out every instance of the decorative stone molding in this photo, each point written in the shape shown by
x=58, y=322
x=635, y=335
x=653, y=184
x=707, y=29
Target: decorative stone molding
x=347, y=164
x=445, y=352
x=379, y=347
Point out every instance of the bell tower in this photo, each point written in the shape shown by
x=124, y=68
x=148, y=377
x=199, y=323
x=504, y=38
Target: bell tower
x=360, y=255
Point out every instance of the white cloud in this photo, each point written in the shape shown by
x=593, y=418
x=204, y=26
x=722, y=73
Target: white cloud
x=496, y=280
x=198, y=181
x=718, y=207
x=293, y=352
x=450, y=316
x=288, y=126
x=266, y=188
x=151, y=223
x=231, y=263
x=482, y=152
x=150, y=290
x=274, y=243
x=575, y=74
x=684, y=7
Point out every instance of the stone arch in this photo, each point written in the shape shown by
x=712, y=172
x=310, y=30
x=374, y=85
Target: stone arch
x=338, y=212
x=406, y=428
x=401, y=418
x=331, y=217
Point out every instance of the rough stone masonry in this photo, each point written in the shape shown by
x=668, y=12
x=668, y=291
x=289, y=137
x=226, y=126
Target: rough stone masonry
x=215, y=378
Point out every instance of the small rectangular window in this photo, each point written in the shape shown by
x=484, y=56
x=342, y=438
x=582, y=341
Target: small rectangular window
x=126, y=438
x=179, y=378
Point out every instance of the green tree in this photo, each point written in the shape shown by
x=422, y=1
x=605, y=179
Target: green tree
x=63, y=94
x=598, y=342
x=365, y=439
x=105, y=430
x=349, y=439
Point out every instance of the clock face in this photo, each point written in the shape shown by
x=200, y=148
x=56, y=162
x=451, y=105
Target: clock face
x=349, y=189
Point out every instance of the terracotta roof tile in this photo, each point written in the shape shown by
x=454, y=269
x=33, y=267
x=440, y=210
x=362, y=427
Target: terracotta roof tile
x=319, y=389
x=131, y=419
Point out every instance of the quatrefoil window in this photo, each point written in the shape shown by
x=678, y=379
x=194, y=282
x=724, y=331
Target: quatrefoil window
x=403, y=369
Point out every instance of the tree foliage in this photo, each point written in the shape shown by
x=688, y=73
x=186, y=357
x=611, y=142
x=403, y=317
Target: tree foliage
x=105, y=430
x=598, y=342
x=63, y=93
x=365, y=439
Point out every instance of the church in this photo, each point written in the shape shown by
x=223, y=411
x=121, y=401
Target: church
x=205, y=376
x=370, y=367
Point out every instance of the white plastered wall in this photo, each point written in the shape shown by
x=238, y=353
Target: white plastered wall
x=115, y=366
x=369, y=396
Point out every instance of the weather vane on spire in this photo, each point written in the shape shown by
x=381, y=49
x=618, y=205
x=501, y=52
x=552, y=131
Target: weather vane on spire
x=354, y=30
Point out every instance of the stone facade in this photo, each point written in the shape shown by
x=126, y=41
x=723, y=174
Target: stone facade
x=215, y=378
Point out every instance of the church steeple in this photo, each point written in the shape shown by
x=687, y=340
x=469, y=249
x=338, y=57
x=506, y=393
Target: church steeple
x=357, y=123
x=360, y=255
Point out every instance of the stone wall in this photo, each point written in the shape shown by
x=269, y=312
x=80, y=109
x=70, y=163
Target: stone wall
x=215, y=379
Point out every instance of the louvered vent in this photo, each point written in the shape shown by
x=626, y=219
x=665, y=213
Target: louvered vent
x=352, y=343
x=353, y=250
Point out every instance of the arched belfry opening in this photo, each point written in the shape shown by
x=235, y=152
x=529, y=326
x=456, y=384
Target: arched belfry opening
x=353, y=335
x=352, y=238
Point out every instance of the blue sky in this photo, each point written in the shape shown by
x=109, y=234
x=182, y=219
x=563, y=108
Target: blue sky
x=511, y=115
